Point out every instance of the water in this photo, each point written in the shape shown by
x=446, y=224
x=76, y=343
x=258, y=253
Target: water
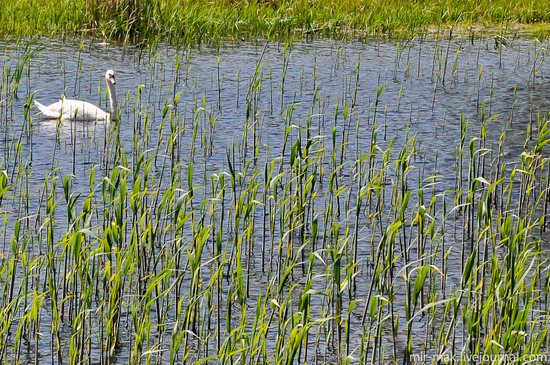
x=55, y=70
x=428, y=84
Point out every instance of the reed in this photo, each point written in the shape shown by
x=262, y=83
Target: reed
x=321, y=231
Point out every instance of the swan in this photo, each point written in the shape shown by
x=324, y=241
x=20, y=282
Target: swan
x=82, y=110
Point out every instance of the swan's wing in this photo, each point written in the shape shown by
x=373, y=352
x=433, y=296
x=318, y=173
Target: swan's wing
x=52, y=111
x=81, y=110
x=72, y=109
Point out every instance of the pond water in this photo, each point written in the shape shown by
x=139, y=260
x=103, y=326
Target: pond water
x=196, y=109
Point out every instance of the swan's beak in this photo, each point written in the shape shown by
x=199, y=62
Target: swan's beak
x=113, y=81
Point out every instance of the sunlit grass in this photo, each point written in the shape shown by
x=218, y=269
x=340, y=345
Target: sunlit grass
x=259, y=261
x=205, y=21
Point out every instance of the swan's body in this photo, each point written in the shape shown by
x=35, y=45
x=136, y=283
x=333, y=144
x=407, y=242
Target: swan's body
x=81, y=110
x=72, y=109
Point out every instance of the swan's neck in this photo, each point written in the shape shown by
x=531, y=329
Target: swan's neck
x=112, y=100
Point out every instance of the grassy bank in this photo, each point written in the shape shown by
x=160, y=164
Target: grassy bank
x=194, y=20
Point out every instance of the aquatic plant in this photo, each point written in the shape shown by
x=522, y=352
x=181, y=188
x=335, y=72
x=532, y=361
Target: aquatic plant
x=335, y=225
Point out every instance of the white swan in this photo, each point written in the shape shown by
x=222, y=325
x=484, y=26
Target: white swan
x=82, y=110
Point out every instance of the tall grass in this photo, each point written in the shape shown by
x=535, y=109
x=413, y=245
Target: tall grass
x=332, y=238
x=205, y=21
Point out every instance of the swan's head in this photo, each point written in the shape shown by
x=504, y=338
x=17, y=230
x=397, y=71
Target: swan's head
x=110, y=77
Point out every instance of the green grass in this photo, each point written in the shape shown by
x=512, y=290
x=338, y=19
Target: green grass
x=204, y=21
